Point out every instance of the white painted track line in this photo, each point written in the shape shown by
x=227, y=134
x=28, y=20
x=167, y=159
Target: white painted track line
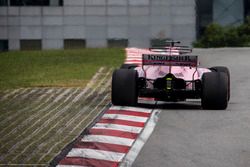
x=139, y=143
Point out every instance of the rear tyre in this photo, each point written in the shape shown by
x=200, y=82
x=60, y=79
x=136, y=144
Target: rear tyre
x=124, y=87
x=225, y=70
x=128, y=66
x=214, y=91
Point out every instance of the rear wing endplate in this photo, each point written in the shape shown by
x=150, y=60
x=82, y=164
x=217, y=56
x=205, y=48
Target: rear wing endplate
x=167, y=60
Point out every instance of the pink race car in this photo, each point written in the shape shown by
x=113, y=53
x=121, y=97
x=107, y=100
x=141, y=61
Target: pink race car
x=168, y=73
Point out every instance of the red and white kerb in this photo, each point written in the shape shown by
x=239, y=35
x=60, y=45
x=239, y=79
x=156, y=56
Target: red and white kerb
x=110, y=139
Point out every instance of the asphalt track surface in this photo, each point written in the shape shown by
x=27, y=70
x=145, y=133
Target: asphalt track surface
x=187, y=136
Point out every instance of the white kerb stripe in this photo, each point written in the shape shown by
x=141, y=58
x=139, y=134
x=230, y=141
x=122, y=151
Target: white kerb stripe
x=133, y=62
x=144, y=110
x=124, y=128
x=96, y=154
x=125, y=117
x=108, y=139
x=128, y=59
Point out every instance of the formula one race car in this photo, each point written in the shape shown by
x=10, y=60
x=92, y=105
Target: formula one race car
x=168, y=73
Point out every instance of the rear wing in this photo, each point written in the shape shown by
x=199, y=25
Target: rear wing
x=169, y=60
x=179, y=49
x=171, y=46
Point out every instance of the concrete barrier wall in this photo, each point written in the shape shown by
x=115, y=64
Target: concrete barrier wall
x=96, y=21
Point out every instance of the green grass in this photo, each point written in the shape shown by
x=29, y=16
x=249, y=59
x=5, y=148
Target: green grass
x=55, y=67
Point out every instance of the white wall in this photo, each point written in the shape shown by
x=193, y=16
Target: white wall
x=99, y=20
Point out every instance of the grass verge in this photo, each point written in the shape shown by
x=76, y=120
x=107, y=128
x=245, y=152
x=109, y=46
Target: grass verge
x=55, y=67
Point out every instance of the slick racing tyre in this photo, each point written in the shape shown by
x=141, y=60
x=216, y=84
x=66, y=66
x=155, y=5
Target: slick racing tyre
x=214, y=91
x=124, y=87
x=225, y=70
x=128, y=66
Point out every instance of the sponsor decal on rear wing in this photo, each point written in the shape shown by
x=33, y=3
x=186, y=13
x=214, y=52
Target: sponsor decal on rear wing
x=167, y=60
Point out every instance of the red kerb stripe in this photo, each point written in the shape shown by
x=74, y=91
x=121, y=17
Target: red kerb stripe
x=116, y=133
x=87, y=162
x=134, y=60
x=102, y=146
x=122, y=122
x=131, y=113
